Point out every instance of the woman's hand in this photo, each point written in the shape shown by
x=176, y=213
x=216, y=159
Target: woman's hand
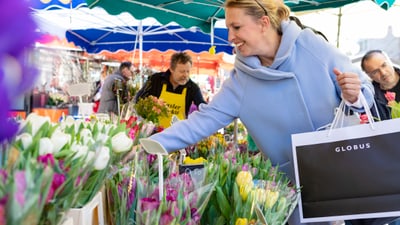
x=350, y=84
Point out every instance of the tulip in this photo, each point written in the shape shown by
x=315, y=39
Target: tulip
x=244, y=178
x=241, y=221
x=26, y=140
x=45, y=146
x=59, y=139
x=258, y=195
x=271, y=198
x=81, y=150
x=121, y=142
x=102, y=158
x=86, y=136
x=36, y=121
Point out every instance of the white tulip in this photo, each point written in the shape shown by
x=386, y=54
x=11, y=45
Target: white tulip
x=102, y=138
x=86, y=136
x=26, y=140
x=103, y=156
x=69, y=121
x=121, y=142
x=81, y=150
x=89, y=158
x=45, y=146
x=78, y=124
x=60, y=139
x=36, y=121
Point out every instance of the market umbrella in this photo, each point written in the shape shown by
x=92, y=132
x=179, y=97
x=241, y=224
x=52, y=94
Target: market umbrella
x=160, y=37
x=199, y=13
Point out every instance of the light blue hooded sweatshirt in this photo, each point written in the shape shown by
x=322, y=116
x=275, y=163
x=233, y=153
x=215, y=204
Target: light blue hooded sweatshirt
x=297, y=93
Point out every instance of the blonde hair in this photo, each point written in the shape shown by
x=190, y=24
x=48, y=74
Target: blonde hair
x=276, y=10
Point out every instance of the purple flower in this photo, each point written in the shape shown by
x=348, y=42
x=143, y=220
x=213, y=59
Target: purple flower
x=148, y=204
x=172, y=194
x=151, y=158
x=192, y=108
x=166, y=218
x=46, y=159
x=16, y=76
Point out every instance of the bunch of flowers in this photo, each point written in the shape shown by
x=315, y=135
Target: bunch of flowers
x=242, y=180
x=120, y=184
x=183, y=196
x=78, y=153
x=151, y=109
x=22, y=192
x=395, y=106
x=57, y=99
x=206, y=147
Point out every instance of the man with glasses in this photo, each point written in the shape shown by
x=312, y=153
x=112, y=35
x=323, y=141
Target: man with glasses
x=385, y=77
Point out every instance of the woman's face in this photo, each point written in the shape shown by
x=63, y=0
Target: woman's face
x=244, y=32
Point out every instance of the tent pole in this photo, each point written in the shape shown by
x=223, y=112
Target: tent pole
x=140, y=31
x=339, y=27
x=212, y=32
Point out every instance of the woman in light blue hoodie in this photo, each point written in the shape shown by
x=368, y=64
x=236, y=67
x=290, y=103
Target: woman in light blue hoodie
x=285, y=80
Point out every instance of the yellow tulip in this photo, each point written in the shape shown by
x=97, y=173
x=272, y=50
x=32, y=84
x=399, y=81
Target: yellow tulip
x=258, y=195
x=244, y=178
x=244, y=191
x=241, y=221
x=271, y=198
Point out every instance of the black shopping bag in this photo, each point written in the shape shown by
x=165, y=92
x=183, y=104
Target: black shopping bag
x=348, y=173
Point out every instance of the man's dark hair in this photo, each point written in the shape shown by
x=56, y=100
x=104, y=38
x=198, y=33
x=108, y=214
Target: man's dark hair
x=181, y=58
x=368, y=55
x=125, y=65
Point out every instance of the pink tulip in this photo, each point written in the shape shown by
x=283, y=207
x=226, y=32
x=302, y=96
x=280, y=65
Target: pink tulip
x=148, y=204
x=390, y=96
x=46, y=159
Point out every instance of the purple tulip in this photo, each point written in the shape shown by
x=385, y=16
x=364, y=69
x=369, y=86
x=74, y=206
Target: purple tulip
x=172, y=195
x=46, y=159
x=149, y=204
x=166, y=219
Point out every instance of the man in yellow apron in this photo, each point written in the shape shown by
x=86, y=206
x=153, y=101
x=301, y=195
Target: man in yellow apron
x=175, y=87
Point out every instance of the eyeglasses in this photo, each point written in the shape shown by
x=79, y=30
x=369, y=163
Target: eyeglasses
x=377, y=71
x=261, y=6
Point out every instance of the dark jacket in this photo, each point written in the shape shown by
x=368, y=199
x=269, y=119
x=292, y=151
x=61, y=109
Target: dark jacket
x=154, y=84
x=381, y=101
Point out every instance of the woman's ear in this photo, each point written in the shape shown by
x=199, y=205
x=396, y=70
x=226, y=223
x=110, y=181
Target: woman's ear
x=265, y=21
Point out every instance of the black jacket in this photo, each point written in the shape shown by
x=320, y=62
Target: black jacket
x=154, y=84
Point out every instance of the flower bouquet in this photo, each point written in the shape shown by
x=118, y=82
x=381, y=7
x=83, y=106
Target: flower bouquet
x=249, y=190
x=74, y=156
x=151, y=108
x=395, y=106
x=179, y=199
x=22, y=192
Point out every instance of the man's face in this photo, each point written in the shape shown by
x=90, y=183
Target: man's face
x=126, y=72
x=180, y=75
x=381, y=70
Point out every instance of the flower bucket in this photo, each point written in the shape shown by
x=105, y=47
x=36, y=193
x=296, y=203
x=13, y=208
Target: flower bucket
x=90, y=214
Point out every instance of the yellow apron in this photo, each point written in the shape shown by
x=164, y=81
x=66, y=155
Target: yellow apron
x=176, y=104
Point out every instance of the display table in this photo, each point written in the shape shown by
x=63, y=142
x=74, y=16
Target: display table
x=54, y=113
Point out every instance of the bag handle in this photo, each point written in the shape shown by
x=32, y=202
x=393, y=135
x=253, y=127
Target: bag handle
x=339, y=117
